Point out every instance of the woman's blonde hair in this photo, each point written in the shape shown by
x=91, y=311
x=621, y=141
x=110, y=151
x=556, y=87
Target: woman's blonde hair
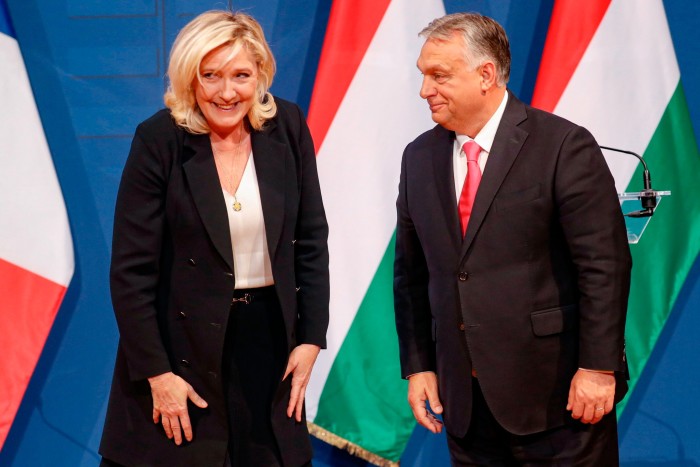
x=200, y=36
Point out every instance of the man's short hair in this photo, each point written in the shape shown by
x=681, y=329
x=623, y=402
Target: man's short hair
x=484, y=39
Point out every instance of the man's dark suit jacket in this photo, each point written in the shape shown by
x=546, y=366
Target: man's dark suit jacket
x=537, y=288
x=172, y=281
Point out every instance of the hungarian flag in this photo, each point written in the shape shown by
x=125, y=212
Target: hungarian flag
x=36, y=250
x=610, y=67
x=364, y=110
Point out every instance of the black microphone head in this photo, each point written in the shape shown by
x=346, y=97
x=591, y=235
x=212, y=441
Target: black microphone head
x=648, y=199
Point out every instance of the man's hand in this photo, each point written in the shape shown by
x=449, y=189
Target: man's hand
x=422, y=387
x=592, y=395
x=170, y=394
x=301, y=362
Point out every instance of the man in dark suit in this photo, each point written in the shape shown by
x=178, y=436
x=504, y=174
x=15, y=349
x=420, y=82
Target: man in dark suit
x=512, y=266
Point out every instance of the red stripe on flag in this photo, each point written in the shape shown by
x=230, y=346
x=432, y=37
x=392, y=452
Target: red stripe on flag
x=350, y=30
x=571, y=29
x=28, y=306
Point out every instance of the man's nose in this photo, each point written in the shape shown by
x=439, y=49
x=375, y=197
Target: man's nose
x=427, y=89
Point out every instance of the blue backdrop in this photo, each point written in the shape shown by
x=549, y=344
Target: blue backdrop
x=97, y=69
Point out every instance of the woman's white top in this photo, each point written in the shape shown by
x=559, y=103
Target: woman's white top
x=251, y=259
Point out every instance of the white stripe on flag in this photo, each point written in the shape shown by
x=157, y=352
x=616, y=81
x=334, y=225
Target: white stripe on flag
x=631, y=51
x=34, y=231
x=359, y=164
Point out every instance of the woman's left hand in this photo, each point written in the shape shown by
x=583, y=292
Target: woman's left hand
x=300, y=364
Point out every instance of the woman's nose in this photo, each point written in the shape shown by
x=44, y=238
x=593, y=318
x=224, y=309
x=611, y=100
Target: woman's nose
x=228, y=90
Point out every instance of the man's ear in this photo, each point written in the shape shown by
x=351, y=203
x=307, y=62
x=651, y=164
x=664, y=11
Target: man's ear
x=488, y=76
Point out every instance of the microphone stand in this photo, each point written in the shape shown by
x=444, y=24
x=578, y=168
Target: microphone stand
x=646, y=196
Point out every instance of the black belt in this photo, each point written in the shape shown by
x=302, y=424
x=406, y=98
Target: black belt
x=246, y=296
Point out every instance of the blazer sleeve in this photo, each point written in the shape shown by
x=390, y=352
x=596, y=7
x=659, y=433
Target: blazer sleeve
x=411, y=302
x=311, y=246
x=139, y=224
x=594, y=229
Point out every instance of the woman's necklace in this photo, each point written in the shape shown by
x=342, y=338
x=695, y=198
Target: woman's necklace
x=237, y=206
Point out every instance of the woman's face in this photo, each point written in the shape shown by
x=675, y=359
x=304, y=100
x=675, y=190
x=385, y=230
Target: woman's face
x=227, y=88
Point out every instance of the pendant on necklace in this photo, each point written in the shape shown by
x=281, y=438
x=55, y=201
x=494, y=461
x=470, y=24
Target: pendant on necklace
x=236, y=205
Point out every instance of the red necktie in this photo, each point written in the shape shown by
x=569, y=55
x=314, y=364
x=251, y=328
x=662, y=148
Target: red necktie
x=471, y=183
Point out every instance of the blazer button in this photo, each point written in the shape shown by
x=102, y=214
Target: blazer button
x=461, y=326
x=182, y=314
x=185, y=363
x=463, y=276
x=229, y=274
x=192, y=262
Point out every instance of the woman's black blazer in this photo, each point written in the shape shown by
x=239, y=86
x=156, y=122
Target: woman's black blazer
x=172, y=280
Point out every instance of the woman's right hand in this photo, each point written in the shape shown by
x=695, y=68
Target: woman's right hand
x=170, y=394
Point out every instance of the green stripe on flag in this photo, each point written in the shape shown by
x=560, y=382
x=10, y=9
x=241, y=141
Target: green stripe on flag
x=671, y=241
x=364, y=398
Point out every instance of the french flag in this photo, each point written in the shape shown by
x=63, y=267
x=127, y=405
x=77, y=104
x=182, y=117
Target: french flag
x=36, y=249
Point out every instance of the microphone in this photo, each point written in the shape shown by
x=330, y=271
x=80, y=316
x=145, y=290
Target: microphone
x=647, y=196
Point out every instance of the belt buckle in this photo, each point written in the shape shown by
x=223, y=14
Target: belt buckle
x=245, y=299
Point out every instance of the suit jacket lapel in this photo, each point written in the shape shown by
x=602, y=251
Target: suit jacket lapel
x=204, y=185
x=270, y=159
x=444, y=180
x=506, y=146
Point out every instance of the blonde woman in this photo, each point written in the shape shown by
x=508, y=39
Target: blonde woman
x=219, y=272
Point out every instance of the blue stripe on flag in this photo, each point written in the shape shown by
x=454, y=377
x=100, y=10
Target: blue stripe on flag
x=5, y=24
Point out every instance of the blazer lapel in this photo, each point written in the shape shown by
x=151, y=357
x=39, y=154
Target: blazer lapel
x=270, y=159
x=204, y=185
x=506, y=146
x=444, y=180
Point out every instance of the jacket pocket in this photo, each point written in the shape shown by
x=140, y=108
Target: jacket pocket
x=516, y=198
x=554, y=320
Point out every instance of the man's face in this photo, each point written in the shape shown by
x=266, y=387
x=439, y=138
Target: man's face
x=450, y=85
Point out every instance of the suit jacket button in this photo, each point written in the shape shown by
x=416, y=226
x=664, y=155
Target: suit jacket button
x=185, y=363
x=229, y=274
x=463, y=276
x=192, y=262
x=182, y=314
x=461, y=326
